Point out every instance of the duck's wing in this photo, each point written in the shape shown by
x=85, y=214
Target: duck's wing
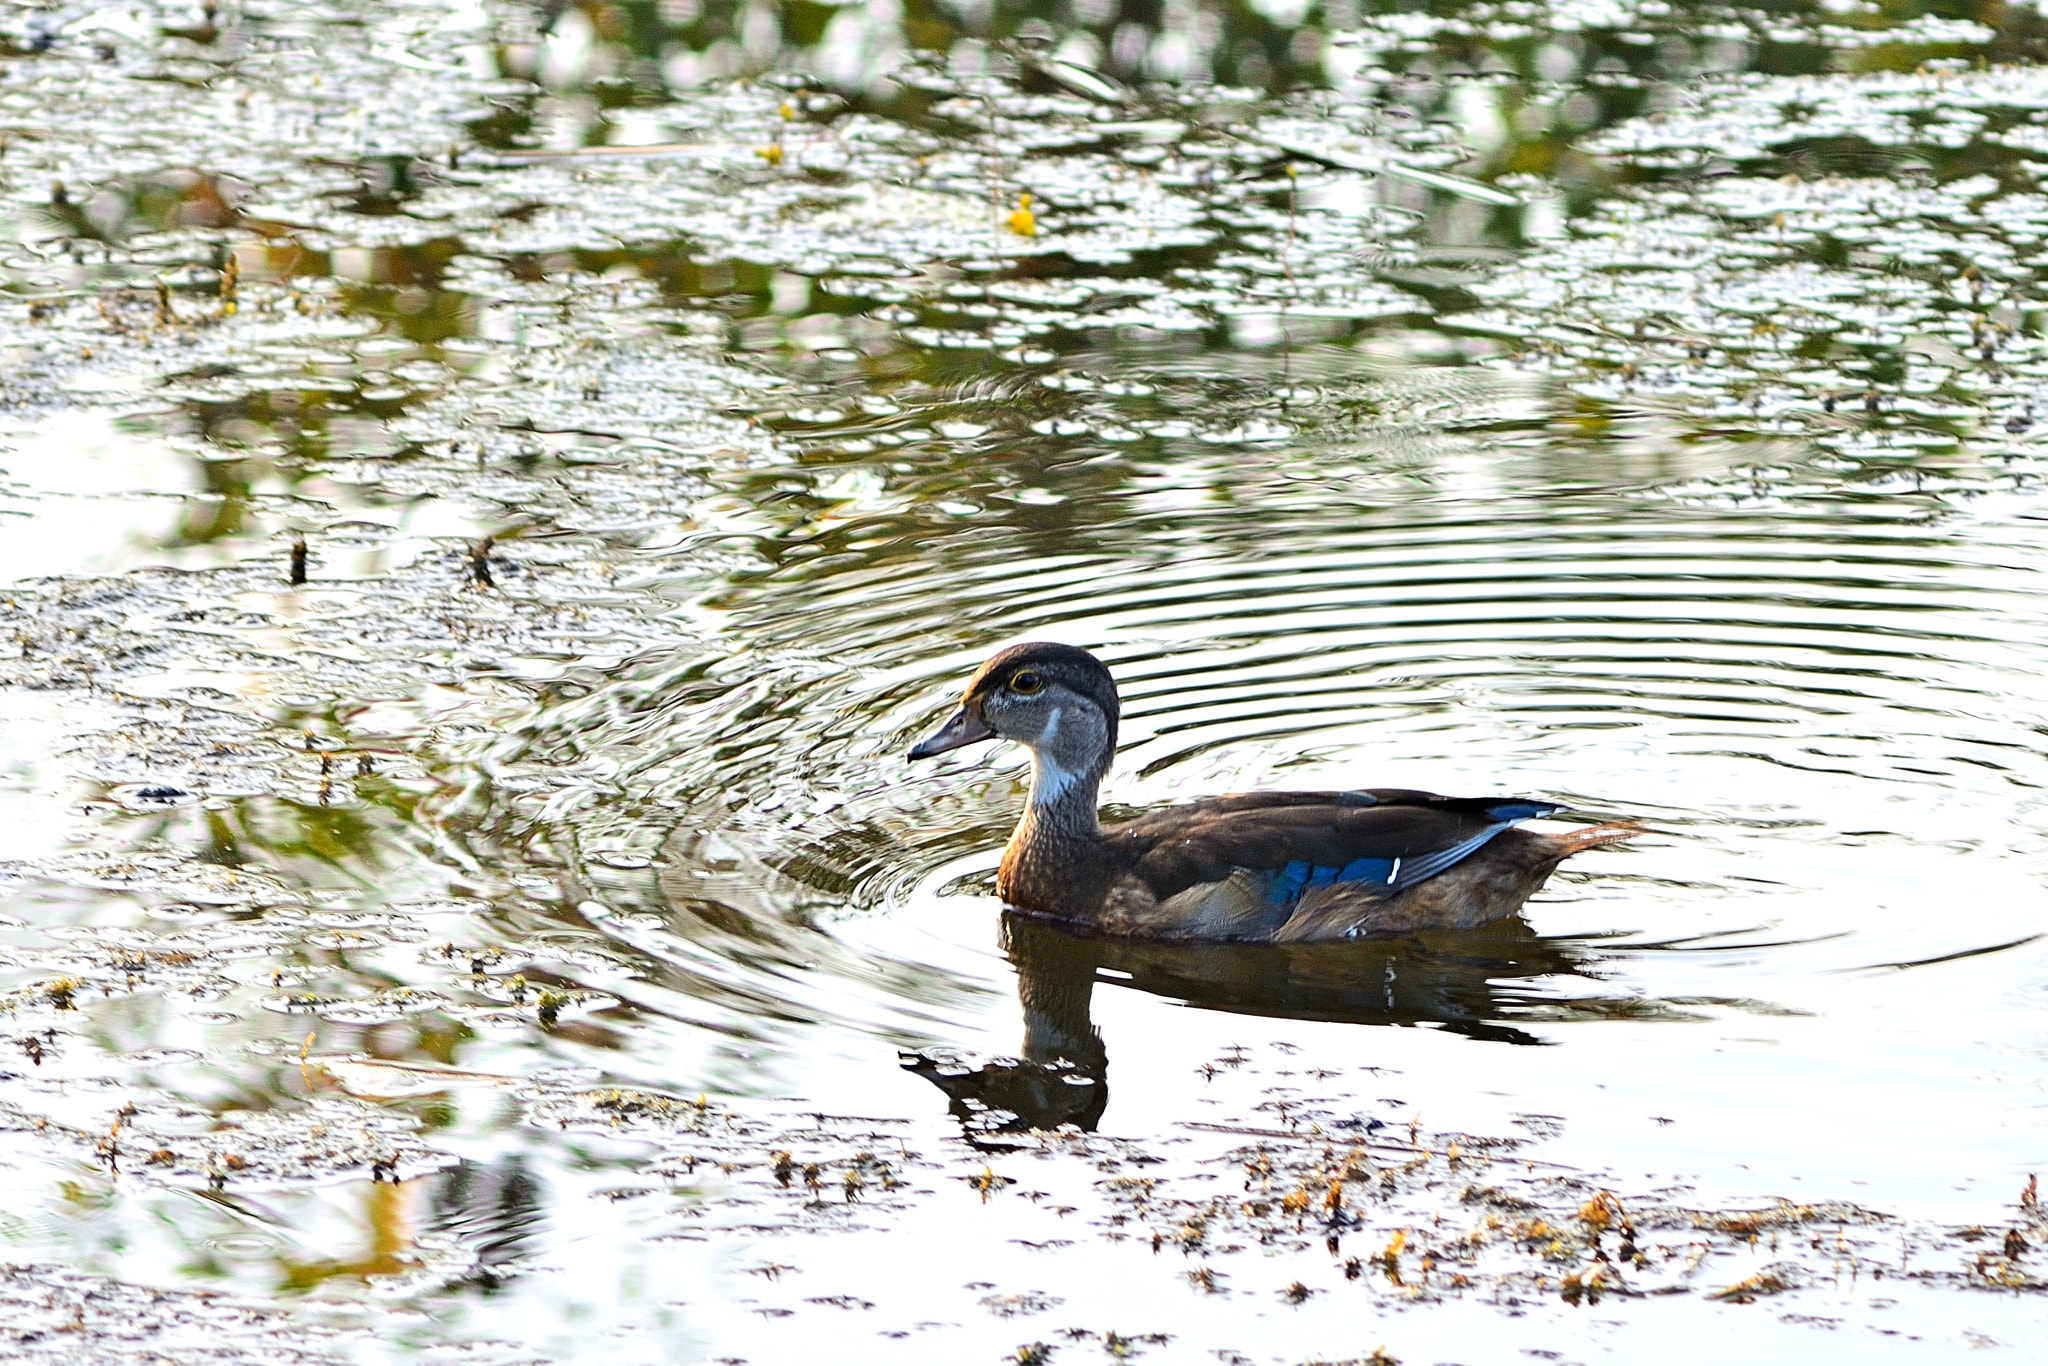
x=1239, y=866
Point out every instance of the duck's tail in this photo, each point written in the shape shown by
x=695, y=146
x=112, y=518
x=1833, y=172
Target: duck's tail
x=1595, y=836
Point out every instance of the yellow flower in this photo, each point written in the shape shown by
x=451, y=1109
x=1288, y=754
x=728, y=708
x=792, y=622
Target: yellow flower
x=1022, y=221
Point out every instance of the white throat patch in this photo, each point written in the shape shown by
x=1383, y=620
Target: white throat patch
x=1049, y=781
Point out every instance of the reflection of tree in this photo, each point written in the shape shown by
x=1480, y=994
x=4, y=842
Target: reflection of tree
x=492, y=1210
x=388, y=1207
x=1523, y=95
x=161, y=201
x=641, y=42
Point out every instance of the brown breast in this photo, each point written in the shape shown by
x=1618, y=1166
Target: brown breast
x=1064, y=875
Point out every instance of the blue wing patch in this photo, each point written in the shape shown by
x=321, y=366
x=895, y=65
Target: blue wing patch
x=1513, y=812
x=1300, y=876
x=1286, y=886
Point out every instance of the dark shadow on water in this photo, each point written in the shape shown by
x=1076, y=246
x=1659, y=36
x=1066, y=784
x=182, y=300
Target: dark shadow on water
x=494, y=1209
x=1469, y=982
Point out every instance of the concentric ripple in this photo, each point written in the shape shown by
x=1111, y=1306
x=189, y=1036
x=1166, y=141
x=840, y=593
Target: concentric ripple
x=1760, y=684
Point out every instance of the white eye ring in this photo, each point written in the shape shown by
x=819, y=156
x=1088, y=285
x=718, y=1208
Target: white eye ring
x=1024, y=682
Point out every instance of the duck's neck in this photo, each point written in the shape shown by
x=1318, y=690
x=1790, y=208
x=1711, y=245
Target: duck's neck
x=1053, y=862
x=1062, y=801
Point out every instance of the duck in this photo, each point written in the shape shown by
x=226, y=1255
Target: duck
x=1252, y=867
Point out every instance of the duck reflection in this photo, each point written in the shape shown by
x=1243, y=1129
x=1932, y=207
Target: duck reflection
x=1063, y=1075
x=1465, y=981
x=492, y=1209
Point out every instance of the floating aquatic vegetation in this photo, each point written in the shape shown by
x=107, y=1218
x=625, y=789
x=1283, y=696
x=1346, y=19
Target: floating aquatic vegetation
x=64, y=1313
x=491, y=500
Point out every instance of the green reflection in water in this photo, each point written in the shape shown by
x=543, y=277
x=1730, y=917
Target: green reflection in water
x=698, y=828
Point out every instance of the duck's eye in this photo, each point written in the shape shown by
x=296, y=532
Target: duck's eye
x=1026, y=683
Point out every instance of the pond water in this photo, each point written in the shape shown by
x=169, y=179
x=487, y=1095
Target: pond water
x=491, y=491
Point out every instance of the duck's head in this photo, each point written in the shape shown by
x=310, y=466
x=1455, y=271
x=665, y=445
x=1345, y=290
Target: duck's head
x=1056, y=700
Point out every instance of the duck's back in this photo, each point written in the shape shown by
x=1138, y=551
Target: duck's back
x=1300, y=866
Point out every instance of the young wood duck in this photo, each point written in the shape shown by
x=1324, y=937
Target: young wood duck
x=1272, y=867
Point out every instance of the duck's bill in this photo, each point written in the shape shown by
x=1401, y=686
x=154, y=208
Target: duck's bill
x=963, y=727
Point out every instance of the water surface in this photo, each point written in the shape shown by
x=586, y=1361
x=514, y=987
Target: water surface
x=507, y=944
